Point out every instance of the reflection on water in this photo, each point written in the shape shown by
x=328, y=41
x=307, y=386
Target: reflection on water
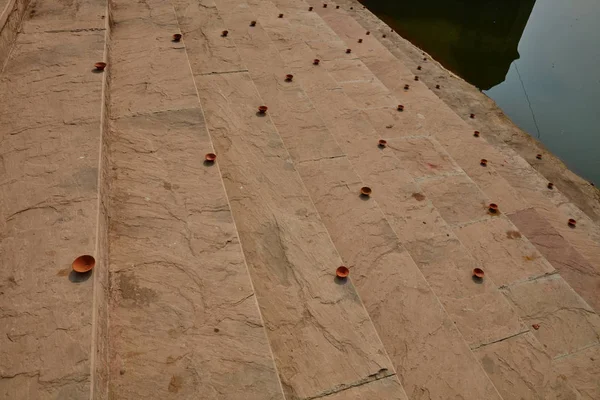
x=537, y=59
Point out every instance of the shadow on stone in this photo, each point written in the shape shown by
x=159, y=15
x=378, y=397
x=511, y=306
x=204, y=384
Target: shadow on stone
x=477, y=280
x=77, y=277
x=340, y=281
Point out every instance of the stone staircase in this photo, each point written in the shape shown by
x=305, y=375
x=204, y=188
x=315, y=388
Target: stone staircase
x=217, y=280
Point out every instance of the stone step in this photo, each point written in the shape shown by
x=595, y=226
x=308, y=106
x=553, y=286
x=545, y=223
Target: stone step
x=184, y=320
x=569, y=331
x=50, y=136
x=510, y=180
x=321, y=335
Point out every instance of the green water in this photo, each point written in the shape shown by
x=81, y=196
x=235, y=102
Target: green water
x=539, y=60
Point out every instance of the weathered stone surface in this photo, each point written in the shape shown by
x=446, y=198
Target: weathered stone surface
x=519, y=368
x=566, y=323
x=423, y=157
x=575, y=269
x=457, y=198
x=181, y=293
x=49, y=141
x=578, y=374
x=504, y=253
x=283, y=228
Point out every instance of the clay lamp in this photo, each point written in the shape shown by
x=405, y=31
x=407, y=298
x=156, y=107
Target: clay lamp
x=83, y=264
x=406, y=87
x=325, y=5
x=100, y=66
x=572, y=223
x=476, y=133
x=472, y=116
x=535, y=326
x=359, y=40
x=424, y=58
x=478, y=273
x=382, y=143
x=550, y=185
x=365, y=191
x=384, y=36
x=316, y=61
x=419, y=68
x=262, y=109
x=539, y=156
x=493, y=208
x=210, y=157
x=342, y=272
x=336, y=7
x=368, y=33
x=400, y=107
x=177, y=37
x=289, y=77
x=348, y=51
x=310, y=8
x=416, y=78
x=483, y=162
x=280, y=15
x=437, y=86
x=224, y=33
x=252, y=23
x=352, y=8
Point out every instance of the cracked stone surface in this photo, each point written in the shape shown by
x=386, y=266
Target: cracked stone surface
x=217, y=280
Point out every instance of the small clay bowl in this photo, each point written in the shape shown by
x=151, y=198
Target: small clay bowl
x=437, y=86
x=280, y=15
x=384, y=36
x=210, y=157
x=100, y=66
x=252, y=23
x=224, y=33
x=493, y=208
x=289, y=77
x=337, y=7
x=478, y=273
x=368, y=33
x=476, y=133
x=348, y=51
x=359, y=40
x=572, y=223
x=263, y=109
x=342, y=272
x=483, y=162
x=83, y=264
x=535, y=326
x=472, y=116
x=365, y=191
x=310, y=8
x=539, y=156
x=400, y=107
x=177, y=37
x=406, y=87
x=316, y=61
x=325, y=5
x=550, y=185
x=382, y=143
x=416, y=78
x=419, y=68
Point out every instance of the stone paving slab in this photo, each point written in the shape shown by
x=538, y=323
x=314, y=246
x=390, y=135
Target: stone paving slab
x=72, y=16
x=575, y=269
x=182, y=296
x=457, y=198
x=171, y=218
x=49, y=142
x=579, y=373
x=283, y=228
x=520, y=369
x=566, y=323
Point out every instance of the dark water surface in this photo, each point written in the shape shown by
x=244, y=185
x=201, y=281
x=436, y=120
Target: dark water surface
x=538, y=59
